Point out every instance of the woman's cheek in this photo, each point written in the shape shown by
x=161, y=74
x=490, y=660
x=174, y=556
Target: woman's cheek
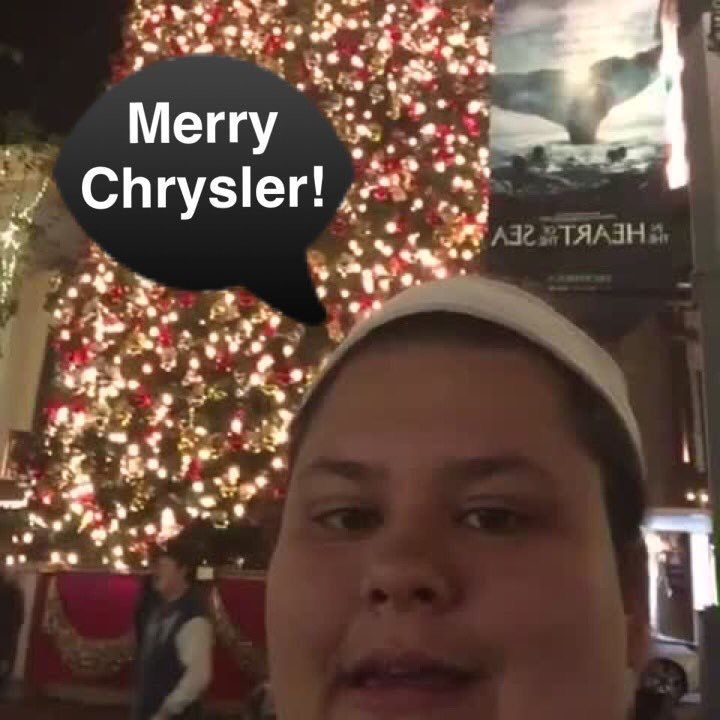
x=314, y=596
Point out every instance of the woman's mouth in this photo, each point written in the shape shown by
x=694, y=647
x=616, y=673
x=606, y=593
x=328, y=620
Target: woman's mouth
x=389, y=684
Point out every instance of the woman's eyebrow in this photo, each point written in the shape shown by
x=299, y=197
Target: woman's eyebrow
x=355, y=470
x=455, y=470
x=485, y=467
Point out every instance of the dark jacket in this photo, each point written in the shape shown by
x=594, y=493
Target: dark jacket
x=160, y=668
x=147, y=602
x=12, y=613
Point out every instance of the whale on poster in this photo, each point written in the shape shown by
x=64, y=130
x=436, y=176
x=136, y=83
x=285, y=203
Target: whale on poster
x=577, y=105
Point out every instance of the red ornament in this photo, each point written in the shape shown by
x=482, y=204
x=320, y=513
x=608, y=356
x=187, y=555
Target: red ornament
x=164, y=304
x=401, y=225
x=360, y=166
x=166, y=338
x=361, y=74
x=273, y=44
x=216, y=15
x=347, y=42
x=175, y=47
x=116, y=293
x=443, y=154
x=245, y=299
x=339, y=226
x=187, y=299
x=194, y=471
x=392, y=164
x=396, y=265
x=380, y=193
x=51, y=410
x=432, y=217
x=236, y=443
x=150, y=430
x=471, y=125
x=395, y=33
x=141, y=399
x=78, y=405
x=334, y=311
x=224, y=362
x=78, y=357
x=281, y=375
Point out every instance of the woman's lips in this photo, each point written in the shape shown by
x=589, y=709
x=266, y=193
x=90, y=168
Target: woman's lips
x=402, y=684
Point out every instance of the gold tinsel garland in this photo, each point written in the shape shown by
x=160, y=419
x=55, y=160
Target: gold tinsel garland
x=249, y=658
x=86, y=658
x=93, y=659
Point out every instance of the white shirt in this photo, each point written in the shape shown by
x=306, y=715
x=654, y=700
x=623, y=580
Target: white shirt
x=194, y=643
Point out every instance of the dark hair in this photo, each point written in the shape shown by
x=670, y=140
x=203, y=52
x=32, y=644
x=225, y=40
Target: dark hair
x=184, y=555
x=596, y=424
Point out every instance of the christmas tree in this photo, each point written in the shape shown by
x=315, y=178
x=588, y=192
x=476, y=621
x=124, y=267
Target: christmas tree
x=169, y=406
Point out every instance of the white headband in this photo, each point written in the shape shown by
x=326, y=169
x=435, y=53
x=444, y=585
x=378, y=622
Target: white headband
x=520, y=312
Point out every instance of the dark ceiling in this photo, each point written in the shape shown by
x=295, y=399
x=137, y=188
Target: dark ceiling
x=55, y=57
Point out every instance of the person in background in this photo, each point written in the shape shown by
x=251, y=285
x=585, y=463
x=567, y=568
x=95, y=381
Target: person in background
x=175, y=665
x=12, y=613
x=148, y=598
x=461, y=535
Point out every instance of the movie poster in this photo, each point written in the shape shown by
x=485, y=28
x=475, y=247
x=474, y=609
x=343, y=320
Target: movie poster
x=589, y=178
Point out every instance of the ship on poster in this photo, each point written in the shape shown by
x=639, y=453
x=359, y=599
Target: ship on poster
x=584, y=191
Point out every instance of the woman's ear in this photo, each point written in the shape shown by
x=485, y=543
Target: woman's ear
x=634, y=581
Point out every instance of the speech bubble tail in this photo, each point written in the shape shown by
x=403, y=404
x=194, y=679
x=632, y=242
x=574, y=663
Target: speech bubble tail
x=292, y=292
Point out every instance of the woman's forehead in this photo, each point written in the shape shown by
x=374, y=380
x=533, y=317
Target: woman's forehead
x=465, y=375
x=449, y=399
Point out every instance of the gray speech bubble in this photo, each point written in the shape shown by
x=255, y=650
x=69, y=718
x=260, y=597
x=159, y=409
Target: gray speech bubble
x=208, y=172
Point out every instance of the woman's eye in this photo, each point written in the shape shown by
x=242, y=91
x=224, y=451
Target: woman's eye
x=497, y=520
x=349, y=519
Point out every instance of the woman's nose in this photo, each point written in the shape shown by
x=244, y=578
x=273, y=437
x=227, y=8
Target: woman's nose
x=408, y=574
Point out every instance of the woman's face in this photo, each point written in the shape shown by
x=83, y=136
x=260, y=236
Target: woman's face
x=445, y=552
